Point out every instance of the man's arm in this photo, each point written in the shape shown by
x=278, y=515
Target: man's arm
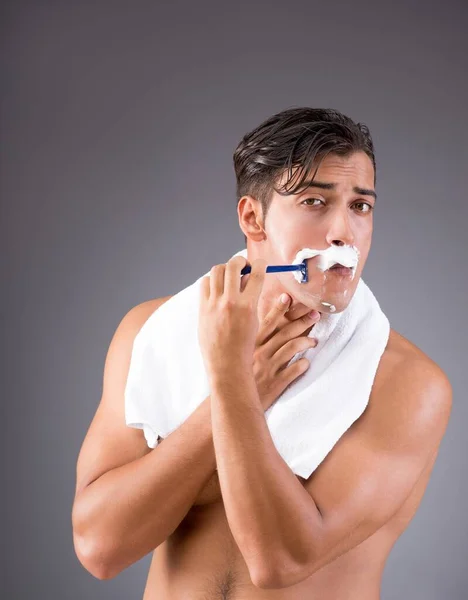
x=129, y=498
x=286, y=530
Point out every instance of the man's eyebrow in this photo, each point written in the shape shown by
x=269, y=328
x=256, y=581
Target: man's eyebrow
x=332, y=186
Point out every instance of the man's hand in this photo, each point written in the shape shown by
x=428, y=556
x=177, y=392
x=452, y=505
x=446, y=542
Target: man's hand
x=228, y=321
x=274, y=344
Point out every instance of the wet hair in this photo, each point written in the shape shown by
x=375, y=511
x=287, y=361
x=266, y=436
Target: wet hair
x=294, y=139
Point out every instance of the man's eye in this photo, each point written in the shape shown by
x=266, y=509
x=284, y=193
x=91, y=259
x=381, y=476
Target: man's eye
x=369, y=207
x=312, y=199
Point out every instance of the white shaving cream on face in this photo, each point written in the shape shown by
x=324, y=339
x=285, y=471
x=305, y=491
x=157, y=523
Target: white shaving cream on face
x=348, y=256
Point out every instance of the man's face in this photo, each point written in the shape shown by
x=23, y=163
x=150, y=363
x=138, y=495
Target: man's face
x=318, y=218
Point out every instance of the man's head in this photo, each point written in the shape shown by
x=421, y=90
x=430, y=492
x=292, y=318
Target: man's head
x=283, y=207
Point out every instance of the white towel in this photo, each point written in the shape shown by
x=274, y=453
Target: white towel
x=167, y=378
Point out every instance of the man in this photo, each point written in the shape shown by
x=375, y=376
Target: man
x=222, y=510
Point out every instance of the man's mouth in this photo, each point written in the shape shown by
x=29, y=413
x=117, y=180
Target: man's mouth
x=339, y=269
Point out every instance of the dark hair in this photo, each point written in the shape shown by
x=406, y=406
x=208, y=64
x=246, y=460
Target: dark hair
x=295, y=137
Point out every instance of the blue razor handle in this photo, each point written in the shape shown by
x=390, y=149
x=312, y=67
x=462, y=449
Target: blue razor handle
x=302, y=267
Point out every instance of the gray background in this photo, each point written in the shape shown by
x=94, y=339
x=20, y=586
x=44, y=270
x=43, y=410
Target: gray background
x=118, y=125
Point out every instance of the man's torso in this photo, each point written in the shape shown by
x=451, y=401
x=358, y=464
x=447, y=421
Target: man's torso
x=201, y=561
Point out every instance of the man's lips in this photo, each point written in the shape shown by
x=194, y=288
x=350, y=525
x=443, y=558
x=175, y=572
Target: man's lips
x=340, y=270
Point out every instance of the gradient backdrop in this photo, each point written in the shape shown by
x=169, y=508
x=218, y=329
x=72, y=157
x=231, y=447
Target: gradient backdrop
x=118, y=124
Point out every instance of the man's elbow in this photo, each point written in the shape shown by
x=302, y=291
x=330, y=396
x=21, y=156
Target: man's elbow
x=279, y=578
x=94, y=558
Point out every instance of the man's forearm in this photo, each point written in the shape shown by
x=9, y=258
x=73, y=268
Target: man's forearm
x=270, y=514
x=130, y=510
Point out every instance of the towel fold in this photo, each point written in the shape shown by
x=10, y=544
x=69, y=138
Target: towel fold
x=167, y=378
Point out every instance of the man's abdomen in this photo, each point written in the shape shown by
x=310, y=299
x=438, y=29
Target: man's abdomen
x=201, y=561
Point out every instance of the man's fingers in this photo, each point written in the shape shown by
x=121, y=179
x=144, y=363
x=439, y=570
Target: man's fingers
x=270, y=322
x=257, y=277
x=217, y=280
x=232, y=276
x=205, y=288
x=292, y=372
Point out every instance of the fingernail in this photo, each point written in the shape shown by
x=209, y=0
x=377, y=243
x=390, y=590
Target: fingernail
x=313, y=314
x=284, y=298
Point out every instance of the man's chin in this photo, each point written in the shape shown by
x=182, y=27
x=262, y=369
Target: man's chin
x=332, y=303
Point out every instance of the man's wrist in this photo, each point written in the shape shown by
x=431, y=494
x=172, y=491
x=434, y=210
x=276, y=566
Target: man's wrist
x=233, y=375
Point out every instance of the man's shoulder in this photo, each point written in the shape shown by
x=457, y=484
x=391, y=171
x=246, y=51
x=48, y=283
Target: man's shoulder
x=403, y=356
x=137, y=316
x=409, y=388
x=146, y=308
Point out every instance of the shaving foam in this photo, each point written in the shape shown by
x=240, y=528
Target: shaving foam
x=348, y=256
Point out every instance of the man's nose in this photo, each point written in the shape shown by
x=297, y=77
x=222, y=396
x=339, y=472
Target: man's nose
x=339, y=231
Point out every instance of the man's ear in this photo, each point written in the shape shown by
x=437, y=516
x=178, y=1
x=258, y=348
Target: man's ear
x=250, y=213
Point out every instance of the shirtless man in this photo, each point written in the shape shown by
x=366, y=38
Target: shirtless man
x=223, y=513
